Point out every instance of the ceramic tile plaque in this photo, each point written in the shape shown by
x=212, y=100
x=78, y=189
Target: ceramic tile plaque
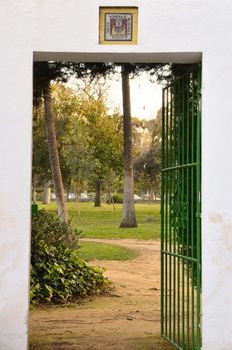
x=118, y=25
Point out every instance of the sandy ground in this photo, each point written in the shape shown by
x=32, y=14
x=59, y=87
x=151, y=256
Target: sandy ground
x=126, y=319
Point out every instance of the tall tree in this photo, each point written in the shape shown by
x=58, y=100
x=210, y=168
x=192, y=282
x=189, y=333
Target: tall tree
x=53, y=153
x=128, y=214
x=147, y=170
x=161, y=73
x=44, y=73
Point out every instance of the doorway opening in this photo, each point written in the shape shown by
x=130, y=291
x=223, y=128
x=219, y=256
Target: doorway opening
x=169, y=319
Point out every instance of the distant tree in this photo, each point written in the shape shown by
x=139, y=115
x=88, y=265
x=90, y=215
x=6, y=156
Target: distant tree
x=89, y=140
x=147, y=170
x=104, y=142
x=148, y=164
x=106, y=145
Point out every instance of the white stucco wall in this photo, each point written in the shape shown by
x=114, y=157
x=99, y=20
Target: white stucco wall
x=59, y=29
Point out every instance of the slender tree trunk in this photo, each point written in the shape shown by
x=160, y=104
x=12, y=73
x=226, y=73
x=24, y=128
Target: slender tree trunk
x=67, y=194
x=155, y=197
x=152, y=195
x=128, y=215
x=53, y=154
x=46, y=197
x=97, y=202
x=149, y=196
x=111, y=199
x=34, y=194
x=77, y=200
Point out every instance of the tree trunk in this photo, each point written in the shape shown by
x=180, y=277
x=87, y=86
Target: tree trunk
x=53, y=155
x=46, y=198
x=152, y=194
x=34, y=195
x=97, y=202
x=67, y=194
x=149, y=191
x=111, y=199
x=77, y=200
x=128, y=215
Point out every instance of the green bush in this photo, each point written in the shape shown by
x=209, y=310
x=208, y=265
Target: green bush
x=57, y=274
x=117, y=198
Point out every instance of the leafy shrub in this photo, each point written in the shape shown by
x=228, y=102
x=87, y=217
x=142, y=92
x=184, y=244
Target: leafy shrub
x=57, y=274
x=117, y=198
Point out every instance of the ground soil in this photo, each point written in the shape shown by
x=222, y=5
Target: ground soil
x=128, y=318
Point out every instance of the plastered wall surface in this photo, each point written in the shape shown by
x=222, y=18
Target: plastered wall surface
x=169, y=30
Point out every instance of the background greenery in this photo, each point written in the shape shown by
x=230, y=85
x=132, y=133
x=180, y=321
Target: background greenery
x=104, y=222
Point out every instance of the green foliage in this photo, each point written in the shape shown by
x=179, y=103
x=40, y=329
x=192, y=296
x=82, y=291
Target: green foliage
x=95, y=146
x=48, y=230
x=44, y=72
x=116, y=198
x=57, y=274
x=147, y=167
x=89, y=140
x=101, y=251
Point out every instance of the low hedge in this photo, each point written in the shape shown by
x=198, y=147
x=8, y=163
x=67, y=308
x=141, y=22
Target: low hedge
x=57, y=274
x=116, y=198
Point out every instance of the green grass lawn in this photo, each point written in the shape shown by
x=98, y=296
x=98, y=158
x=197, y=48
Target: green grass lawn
x=104, y=222
x=101, y=251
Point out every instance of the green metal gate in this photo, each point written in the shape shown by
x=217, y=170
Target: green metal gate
x=180, y=212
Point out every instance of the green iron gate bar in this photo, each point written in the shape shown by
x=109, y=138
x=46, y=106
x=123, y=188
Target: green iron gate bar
x=180, y=212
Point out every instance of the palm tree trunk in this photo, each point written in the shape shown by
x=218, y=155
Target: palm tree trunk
x=53, y=155
x=128, y=215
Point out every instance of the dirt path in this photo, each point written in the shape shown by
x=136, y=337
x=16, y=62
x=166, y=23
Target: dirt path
x=127, y=319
